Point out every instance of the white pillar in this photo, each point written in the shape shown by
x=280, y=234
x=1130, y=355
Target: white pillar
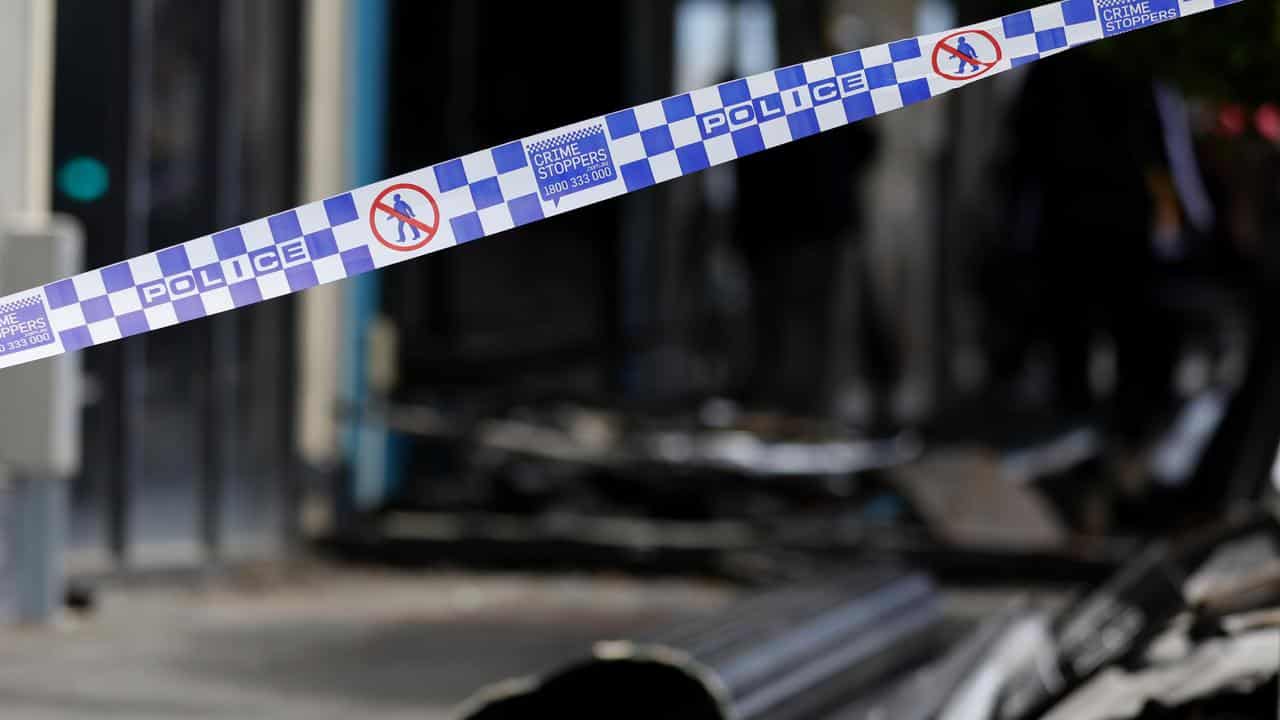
x=40, y=412
x=320, y=338
x=26, y=83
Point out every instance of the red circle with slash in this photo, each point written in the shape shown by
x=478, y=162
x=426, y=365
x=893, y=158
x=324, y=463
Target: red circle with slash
x=390, y=212
x=947, y=45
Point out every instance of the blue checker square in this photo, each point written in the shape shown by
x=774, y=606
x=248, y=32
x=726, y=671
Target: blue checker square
x=693, y=158
x=301, y=277
x=735, y=93
x=509, y=157
x=915, y=91
x=525, y=210
x=357, y=260
x=637, y=175
x=467, y=228
x=341, y=210
x=285, y=226
x=848, y=62
x=1019, y=24
x=486, y=193
x=134, y=323
x=803, y=124
x=117, y=277
x=245, y=293
x=188, y=308
x=1023, y=60
x=173, y=260
x=1047, y=40
x=321, y=244
x=905, y=50
x=790, y=77
x=859, y=107
x=1078, y=11
x=748, y=141
x=96, y=309
x=451, y=175
x=61, y=293
x=229, y=244
x=657, y=141
x=76, y=338
x=622, y=124
x=881, y=76
x=678, y=108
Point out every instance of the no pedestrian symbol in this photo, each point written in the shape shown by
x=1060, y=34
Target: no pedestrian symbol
x=404, y=217
x=966, y=55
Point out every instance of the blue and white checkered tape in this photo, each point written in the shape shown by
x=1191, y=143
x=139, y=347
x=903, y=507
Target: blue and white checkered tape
x=541, y=176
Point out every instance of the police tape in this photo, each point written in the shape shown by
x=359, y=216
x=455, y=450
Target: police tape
x=521, y=182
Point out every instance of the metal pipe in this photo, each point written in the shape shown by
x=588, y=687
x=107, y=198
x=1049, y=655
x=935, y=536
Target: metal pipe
x=786, y=655
x=930, y=690
x=132, y=420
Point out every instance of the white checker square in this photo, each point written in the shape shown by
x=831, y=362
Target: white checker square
x=1047, y=17
x=274, y=285
x=1082, y=33
x=201, y=252
x=831, y=115
x=650, y=115
x=665, y=166
x=89, y=285
x=685, y=132
x=125, y=301
x=816, y=70
x=912, y=69
x=256, y=234
x=352, y=235
x=517, y=184
x=496, y=219
x=161, y=316
x=878, y=55
x=775, y=133
x=217, y=300
x=720, y=149
x=886, y=98
x=104, y=331
x=145, y=268
x=452, y=204
x=628, y=149
x=762, y=84
x=312, y=218
x=329, y=269
x=706, y=100
x=479, y=166
x=69, y=316
x=1020, y=46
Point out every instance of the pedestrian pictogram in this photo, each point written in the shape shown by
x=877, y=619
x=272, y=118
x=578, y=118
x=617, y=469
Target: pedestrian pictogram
x=966, y=55
x=404, y=217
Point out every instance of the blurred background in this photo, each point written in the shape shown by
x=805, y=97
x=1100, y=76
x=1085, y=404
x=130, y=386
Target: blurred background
x=982, y=355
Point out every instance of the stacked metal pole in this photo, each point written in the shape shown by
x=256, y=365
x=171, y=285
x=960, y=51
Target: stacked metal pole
x=786, y=655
